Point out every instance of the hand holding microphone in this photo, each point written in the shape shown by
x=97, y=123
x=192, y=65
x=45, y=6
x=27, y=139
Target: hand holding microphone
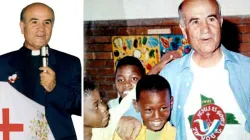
x=48, y=76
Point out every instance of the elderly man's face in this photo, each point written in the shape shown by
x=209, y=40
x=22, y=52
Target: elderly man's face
x=37, y=26
x=202, y=26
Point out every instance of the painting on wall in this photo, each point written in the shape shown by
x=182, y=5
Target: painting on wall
x=175, y=44
x=145, y=48
x=149, y=48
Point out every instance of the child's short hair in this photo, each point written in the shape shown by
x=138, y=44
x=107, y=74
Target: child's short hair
x=88, y=87
x=152, y=83
x=131, y=60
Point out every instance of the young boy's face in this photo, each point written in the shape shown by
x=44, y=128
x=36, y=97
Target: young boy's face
x=95, y=111
x=155, y=108
x=126, y=79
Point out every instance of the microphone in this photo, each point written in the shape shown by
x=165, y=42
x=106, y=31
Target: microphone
x=45, y=55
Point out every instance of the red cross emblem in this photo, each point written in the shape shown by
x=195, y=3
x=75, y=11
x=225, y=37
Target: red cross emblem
x=6, y=127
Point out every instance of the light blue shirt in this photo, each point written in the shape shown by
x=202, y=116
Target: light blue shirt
x=132, y=112
x=180, y=77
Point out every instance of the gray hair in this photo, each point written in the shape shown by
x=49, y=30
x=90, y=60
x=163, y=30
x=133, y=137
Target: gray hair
x=22, y=15
x=181, y=17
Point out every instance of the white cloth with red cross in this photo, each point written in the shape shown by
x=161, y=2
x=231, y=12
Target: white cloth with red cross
x=20, y=117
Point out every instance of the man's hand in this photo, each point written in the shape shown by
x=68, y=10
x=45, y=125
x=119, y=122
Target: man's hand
x=48, y=78
x=128, y=128
x=159, y=66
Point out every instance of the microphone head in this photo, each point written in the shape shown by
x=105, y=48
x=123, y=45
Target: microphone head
x=45, y=55
x=45, y=51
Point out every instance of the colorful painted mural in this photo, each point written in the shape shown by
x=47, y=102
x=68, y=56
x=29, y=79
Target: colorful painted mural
x=145, y=48
x=149, y=48
x=174, y=44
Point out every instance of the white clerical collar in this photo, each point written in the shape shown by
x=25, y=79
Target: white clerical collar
x=35, y=52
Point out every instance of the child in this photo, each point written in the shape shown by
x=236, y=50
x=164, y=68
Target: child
x=96, y=114
x=98, y=123
x=128, y=72
x=154, y=102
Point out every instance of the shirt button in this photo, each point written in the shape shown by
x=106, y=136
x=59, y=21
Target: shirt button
x=187, y=84
x=179, y=106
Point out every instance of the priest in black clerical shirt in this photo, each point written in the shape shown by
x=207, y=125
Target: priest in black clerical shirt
x=31, y=75
x=58, y=86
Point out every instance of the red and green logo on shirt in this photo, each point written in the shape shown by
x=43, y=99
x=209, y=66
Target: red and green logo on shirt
x=209, y=121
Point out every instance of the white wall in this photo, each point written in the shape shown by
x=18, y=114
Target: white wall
x=137, y=9
x=67, y=34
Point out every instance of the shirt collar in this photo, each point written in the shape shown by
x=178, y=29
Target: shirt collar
x=28, y=52
x=228, y=57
